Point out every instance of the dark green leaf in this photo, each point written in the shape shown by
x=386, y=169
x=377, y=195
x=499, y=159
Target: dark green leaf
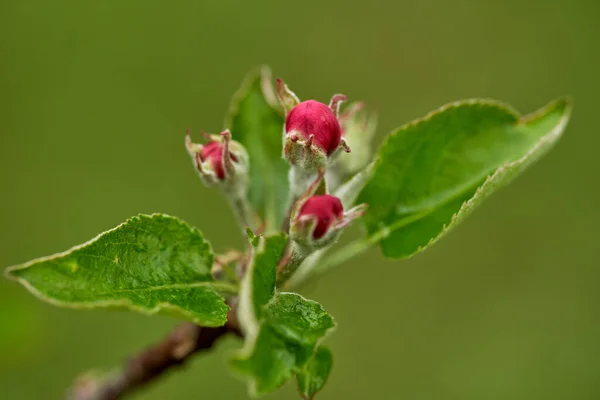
x=150, y=264
x=288, y=335
x=315, y=373
x=255, y=121
x=434, y=171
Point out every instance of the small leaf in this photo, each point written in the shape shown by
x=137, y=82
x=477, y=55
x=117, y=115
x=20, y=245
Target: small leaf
x=258, y=286
x=289, y=332
x=151, y=264
x=268, y=363
x=432, y=172
x=297, y=319
x=315, y=373
x=255, y=120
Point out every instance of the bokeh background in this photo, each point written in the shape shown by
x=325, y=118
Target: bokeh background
x=95, y=97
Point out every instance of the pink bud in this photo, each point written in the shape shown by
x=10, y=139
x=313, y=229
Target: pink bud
x=327, y=210
x=312, y=118
x=213, y=152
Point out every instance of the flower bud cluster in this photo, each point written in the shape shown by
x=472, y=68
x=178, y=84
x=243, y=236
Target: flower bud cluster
x=315, y=136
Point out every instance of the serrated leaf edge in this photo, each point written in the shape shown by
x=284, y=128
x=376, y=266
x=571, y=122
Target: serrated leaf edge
x=547, y=140
x=551, y=136
x=12, y=268
x=161, y=306
x=250, y=343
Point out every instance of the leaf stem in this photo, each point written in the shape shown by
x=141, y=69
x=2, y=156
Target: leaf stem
x=226, y=287
x=299, y=179
x=230, y=272
x=295, y=259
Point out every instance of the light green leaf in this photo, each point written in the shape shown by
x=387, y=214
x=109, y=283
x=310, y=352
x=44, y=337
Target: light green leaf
x=151, y=264
x=258, y=285
x=432, y=172
x=256, y=121
x=297, y=319
x=281, y=330
x=315, y=373
x=290, y=330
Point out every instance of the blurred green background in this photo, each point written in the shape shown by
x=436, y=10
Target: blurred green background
x=95, y=97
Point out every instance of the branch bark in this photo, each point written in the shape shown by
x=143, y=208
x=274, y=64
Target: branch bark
x=185, y=341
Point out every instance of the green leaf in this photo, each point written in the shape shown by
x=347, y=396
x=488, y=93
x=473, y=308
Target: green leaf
x=258, y=286
x=151, y=264
x=255, y=120
x=315, y=373
x=432, y=172
x=281, y=330
x=290, y=330
x=297, y=319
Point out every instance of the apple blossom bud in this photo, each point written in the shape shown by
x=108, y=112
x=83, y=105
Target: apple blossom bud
x=312, y=118
x=326, y=209
x=212, y=152
x=224, y=163
x=221, y=161
x=312, y=131
x=317, y=220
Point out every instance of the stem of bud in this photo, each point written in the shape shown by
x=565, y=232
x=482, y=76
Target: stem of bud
x=242, y=210
x=295, y=257
x=300, y=179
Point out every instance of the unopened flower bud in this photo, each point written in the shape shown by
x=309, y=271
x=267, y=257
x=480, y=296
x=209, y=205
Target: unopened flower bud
x=212, y=153
x=312, y=118
x=317, y=220
x=224, y=163
x=221, y=161
x=325, y=210
x=312, y=131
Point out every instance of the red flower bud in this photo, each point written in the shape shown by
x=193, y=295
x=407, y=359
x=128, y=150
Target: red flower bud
x=327, y=210
x=317, y=119
x=213, y=152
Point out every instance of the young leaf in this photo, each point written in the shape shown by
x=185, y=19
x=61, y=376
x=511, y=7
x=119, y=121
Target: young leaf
x=281, y=329
x=258, y=285
x=298, y=320
x=432, y=172
x=255, y=122
x=289, y=332
x=151, y=264
x=315, y=373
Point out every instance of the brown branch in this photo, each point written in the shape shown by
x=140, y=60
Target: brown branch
x=185, y=341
